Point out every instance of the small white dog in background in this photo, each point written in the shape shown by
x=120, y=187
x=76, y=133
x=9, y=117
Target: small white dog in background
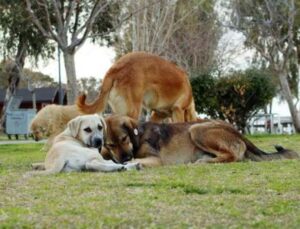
x=77, y=149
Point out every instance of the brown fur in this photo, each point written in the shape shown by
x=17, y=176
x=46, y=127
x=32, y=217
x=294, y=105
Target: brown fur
x=52, y=120
x=139, y=80
x=205, y=141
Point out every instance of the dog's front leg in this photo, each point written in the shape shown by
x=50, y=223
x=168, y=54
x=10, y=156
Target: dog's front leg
x=103, y=166
x=133, y=166
x=148, y=162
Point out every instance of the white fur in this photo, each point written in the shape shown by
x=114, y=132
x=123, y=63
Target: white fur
x=69, y=151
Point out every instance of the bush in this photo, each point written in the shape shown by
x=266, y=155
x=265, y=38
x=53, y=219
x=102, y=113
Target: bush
x=203, y=87
x=235, y=97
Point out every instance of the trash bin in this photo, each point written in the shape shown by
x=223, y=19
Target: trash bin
x=18, y=122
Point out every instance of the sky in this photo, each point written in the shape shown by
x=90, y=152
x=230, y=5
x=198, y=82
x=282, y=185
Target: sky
x=90, y=60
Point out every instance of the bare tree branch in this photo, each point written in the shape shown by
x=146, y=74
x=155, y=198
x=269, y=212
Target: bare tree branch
x=58, y=15
x=87, y=26
x=36, y=21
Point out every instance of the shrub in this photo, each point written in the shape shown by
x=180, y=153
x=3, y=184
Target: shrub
x=235, y=97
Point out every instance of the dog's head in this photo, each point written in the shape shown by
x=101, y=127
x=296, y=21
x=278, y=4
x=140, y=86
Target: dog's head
x=38, y=130
x=89, y=129
x=121, y=139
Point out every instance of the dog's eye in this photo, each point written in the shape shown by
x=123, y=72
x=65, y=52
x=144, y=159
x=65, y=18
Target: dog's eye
x=123, y=139
x=111, y=145
x=99, y=127
x=88, y=130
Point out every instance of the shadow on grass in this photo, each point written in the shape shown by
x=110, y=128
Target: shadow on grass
x=190, y=189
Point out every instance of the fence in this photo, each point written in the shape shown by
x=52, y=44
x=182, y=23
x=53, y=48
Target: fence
x=271, y=123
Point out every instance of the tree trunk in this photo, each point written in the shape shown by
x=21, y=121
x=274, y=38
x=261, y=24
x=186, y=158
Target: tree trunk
x=289, y=98
x=72, y=91
x=14, y=70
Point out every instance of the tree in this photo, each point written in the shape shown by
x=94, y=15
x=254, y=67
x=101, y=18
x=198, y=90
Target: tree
x=272, y=28
x=69, y=23
x=19, y=39
x=150, y=26
x=90, y=86
x=31, y=78
x=184, y=32
x=36, y=79
x=196, y=36
x=13, y=73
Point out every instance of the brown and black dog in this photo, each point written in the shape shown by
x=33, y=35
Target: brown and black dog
x=206, y=141
x=142, y=80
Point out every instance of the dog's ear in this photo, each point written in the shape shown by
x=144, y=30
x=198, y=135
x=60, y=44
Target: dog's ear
x=104, y=127
x=74, y=126
x=103, y=123
x=131, y=125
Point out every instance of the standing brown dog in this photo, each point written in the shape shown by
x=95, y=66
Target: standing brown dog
x=139, y=80
x=206, y=141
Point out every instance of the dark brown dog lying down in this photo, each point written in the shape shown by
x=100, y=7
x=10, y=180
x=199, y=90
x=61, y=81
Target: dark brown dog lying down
x=206, y=141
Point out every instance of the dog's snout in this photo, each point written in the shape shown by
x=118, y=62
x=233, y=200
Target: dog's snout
x=97, y=143
x=127, y=157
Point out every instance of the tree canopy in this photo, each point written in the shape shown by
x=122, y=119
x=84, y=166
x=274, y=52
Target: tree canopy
x=18, y=32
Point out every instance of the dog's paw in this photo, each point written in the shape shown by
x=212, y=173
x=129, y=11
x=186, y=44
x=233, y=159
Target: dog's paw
x=123, y=168
x=133, y=166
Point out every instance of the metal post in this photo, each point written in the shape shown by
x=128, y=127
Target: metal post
x=60, y=93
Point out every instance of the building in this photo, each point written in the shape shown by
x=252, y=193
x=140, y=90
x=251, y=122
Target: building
x=44, y=96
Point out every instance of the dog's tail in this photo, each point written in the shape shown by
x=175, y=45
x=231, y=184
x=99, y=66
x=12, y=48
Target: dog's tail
x=255, y=154
x=98, y=105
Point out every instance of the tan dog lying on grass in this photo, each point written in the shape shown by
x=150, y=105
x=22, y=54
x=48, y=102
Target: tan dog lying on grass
x=77, y=149
x=143, y=80
x=52, y=120
x=205, y=141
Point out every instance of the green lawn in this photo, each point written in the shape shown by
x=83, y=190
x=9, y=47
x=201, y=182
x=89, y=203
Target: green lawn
x=236, y=195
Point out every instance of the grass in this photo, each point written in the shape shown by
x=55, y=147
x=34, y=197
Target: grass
x=236, y=195
x=4, y=137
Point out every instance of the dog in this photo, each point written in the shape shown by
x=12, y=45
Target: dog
x=76, y=149
x=142, y=80
x=156, y=144
x=52, y=120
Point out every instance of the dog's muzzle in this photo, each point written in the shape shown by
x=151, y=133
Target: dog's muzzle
x=127, y=157
x=96, y=142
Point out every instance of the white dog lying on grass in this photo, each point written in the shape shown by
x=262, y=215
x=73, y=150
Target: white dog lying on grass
x=77, y=149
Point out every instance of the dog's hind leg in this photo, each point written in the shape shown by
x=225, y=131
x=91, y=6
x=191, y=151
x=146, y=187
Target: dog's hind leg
x=56, y=168
x=38, y=166
x=217, y=141
x=177, y=114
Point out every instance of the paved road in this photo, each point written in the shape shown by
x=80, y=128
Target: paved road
x=10, y=142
